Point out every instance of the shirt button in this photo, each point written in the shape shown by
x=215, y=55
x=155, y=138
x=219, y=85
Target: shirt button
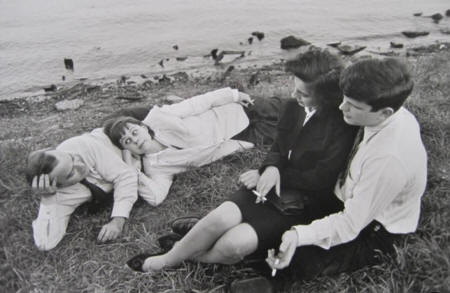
x=376, y=228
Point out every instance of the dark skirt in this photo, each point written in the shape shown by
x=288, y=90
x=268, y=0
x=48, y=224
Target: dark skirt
x=309, y=261
x=270, y=223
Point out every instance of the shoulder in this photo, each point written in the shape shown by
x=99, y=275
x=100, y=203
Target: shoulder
x=335, y=121
x=290, y=110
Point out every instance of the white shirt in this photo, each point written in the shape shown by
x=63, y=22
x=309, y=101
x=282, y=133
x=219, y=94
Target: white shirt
x=310, y=111
x=106, y=169
x=386, y=181
x=201, y=120
x=202, y=127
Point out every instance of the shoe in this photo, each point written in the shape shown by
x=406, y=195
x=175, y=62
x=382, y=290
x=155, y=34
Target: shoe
x=166, y=242
x=182, y=225
x=136, y=262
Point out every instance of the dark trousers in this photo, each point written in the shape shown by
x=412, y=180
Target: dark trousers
x=367, y=249
x=311, y=261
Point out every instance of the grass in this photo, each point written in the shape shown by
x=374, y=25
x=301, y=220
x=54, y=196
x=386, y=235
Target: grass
x=79, y=264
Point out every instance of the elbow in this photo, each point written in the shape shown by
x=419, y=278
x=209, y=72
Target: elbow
x=45, y=243
x=155, y=200
x=44, y=246
x=46, y=236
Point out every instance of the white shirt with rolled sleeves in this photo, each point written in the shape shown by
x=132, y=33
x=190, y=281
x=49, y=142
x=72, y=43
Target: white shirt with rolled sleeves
x=106, y=170
x=386, y=181
x=197, y=131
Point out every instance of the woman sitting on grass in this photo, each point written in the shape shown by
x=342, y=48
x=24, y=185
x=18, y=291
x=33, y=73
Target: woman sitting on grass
x=300, y=170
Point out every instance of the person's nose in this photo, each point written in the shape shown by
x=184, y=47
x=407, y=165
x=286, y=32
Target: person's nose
x=134, y=139
x=343, y=106
x=294, y=94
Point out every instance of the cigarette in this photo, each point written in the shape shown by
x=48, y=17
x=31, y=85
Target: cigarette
x=256, y=193
x=259, y=195
x=274, y=271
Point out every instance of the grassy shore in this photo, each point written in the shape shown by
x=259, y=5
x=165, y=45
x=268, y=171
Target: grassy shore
x=79, y=264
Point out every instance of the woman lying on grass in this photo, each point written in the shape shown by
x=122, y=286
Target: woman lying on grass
x=173, y=138
x=300, y=170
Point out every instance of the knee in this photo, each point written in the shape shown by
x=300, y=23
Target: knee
x=233, y=250
x=226, y=216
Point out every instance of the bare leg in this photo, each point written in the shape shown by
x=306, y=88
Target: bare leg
x=233, y=246
x=200, y=238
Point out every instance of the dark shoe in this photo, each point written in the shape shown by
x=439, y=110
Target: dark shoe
x=182, y=225
x=166, y=242
x=255, y=284
x=136, y=262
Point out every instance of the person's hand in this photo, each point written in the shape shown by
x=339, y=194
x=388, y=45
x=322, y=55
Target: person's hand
x=126, y=155
x=269, y=178
x=111, y=230
x=285, y=252
x=43, y=186
x=249, y=178
x=245, y=99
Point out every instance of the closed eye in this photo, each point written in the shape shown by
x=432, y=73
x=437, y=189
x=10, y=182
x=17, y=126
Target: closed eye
x=298, y=92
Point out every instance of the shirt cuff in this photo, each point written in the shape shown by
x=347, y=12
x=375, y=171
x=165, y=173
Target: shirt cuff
x=305, y=235
x=235, y=94
x=121, y=210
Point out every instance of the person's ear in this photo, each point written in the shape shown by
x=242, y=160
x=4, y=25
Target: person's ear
x=387, y=112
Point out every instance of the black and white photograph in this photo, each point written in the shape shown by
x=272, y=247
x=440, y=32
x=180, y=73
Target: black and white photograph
x=224, y=146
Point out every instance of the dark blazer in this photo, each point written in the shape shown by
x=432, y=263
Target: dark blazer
x=319, y=150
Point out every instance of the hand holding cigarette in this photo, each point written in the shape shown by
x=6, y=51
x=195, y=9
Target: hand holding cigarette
x=259, y=196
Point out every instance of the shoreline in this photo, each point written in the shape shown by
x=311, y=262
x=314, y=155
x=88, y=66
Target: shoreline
x=408, y=47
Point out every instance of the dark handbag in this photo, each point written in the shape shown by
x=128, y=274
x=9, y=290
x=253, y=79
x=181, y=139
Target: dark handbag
x=290, y=203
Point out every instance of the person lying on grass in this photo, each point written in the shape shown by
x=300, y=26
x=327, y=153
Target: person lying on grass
x=294, y=184
x=78, y=170
x=173, y=138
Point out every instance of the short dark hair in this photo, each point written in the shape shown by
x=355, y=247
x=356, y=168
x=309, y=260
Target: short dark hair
x=379, y=83
x=39, y=162
x=115, y=128
x=320, y=70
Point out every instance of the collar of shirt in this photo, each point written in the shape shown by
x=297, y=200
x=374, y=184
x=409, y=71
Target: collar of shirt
x=371, y=131
x=309, y=113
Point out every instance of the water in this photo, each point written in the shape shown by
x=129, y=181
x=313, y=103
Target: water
x=109, y=38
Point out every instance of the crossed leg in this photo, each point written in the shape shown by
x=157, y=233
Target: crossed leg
x=210, y=240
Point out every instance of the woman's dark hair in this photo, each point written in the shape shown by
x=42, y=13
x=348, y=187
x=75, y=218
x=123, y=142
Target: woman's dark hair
x=115, y=128
x=379, y=83
x=320, y=71
x=39, y=162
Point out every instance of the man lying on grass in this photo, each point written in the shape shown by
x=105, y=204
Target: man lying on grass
x=80, y=169
x=376, y=199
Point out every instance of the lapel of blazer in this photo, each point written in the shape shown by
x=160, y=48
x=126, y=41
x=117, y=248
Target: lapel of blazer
x=300, y=117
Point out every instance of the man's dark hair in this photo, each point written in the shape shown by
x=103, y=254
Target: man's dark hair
x=115, y=128
x=320, y=71
x=379, y=83
x=39, y=162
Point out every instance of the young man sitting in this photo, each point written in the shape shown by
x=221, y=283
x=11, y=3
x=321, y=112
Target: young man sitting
x=379, y=193
x=78, y=169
